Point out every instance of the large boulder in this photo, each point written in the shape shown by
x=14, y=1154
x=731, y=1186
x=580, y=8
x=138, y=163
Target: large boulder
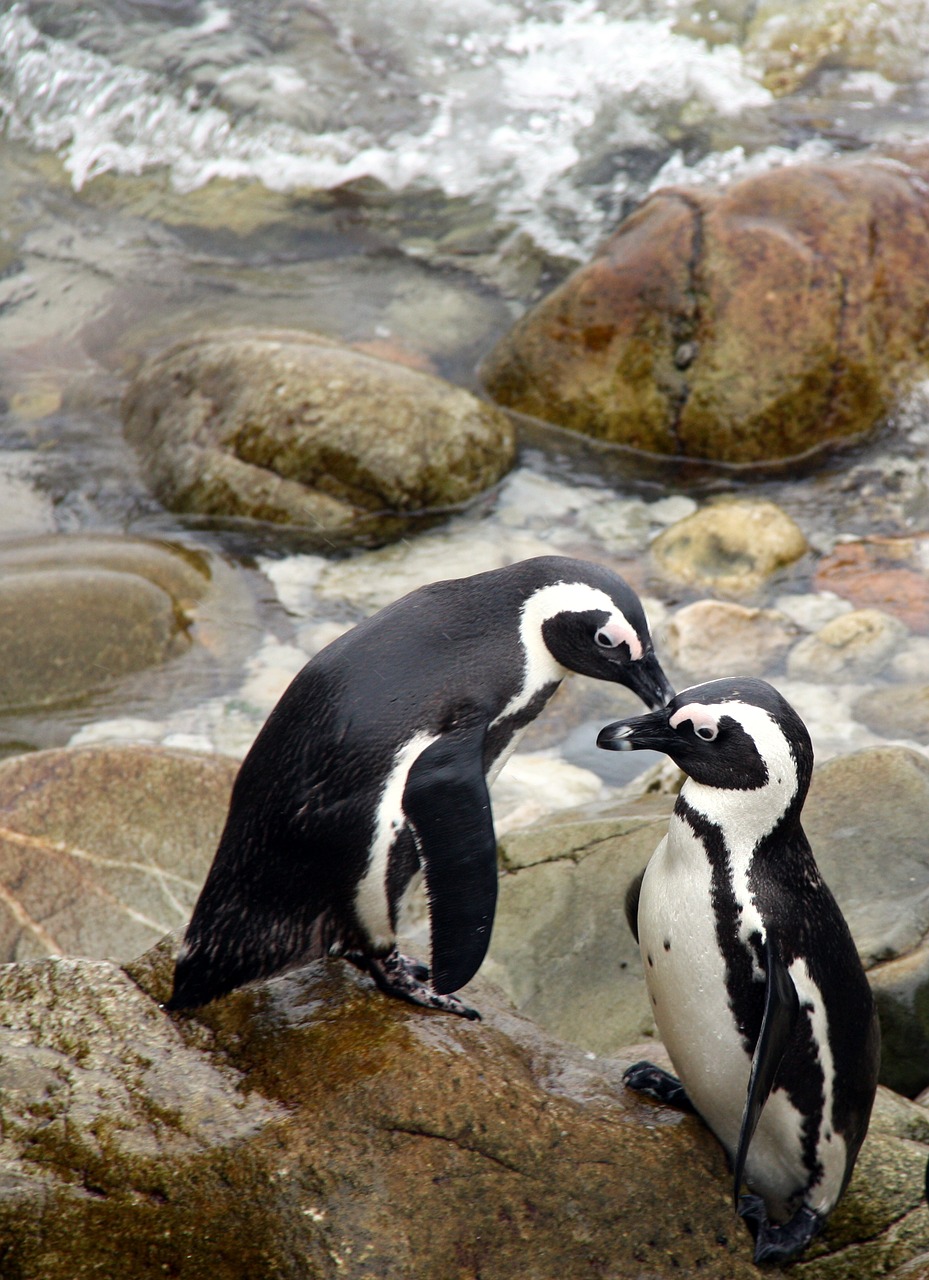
x=103, y=849
x=291, y=427
x=310, y=1128
x=748, y=325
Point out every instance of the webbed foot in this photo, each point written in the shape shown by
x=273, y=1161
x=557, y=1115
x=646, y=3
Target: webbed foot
x=774, y=1243
x=408, y=979
x=645, y=1077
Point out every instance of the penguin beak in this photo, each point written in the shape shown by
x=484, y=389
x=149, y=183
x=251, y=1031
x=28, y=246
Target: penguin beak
x=647, y=681
x=638, y=733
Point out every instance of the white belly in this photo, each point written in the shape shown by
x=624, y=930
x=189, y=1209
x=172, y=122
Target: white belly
x=686, y=979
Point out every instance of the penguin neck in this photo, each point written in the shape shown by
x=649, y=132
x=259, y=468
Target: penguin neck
x=541, y=669
x=745, y=818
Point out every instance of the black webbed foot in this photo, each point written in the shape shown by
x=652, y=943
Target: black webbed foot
x=645, y=1077
x=408, y=979
x=779, y=1244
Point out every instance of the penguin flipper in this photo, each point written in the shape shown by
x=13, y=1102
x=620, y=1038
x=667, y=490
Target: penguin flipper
x=447, y=804
x=781, y=1010
x=631, y=903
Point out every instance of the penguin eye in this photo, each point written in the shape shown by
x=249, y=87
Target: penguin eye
x=706, y=732
x=605, y=640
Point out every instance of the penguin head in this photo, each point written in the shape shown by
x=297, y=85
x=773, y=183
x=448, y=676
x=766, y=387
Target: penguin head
x=598, y=628
x=735, y=734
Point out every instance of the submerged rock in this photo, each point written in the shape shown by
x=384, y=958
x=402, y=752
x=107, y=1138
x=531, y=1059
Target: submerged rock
x=891, y=574
x=750, y=325
x=77, y=613
x=290, y=427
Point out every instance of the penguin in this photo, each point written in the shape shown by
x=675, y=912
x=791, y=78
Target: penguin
x=375, y=766
x=755, y=982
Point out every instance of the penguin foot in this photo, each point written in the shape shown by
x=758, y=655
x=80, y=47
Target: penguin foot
x=779, y=1244
x=408, y=979
x=645, y=1077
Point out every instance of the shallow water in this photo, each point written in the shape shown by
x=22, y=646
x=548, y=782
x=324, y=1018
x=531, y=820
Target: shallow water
x=408, y=178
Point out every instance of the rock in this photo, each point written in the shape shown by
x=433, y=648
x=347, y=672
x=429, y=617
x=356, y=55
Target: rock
x=729, y=547
x=749, y=325
x=851, y=647
x=900, y=711
x=866, y=817
x=713, y=638
x=562, y=950
x=882, y=573
x=103, y=849
x=78, y=613
x=277, y=1134
x=290, y=427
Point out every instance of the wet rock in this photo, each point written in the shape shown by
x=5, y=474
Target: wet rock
x=103, y=849
x=754, y=324
x=290, y=427
x=851, y=647
x=713, y=638
x=276, y=1133
x=77, y=613
x=891, y=574
x=729, y=547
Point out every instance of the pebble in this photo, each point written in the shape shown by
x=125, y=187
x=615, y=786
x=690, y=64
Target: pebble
x=713, y=638
x=729, y=547
x=854, y=645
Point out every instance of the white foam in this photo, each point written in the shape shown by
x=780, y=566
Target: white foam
x=499, y=105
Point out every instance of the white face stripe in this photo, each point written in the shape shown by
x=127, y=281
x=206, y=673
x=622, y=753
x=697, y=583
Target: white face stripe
x=371, y=905
x=699, y=714
x=622, y=632
x=542, y=667
x=746, y=817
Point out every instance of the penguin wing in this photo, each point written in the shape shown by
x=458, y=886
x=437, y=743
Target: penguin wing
x=447, y=804
x=781, y=1010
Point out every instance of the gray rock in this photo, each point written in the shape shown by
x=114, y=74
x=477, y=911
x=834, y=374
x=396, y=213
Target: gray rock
x=852, y=646
x=103, y=849
x=563, y=952
x=290, y=427
x=900, y=711
x=713, y=638
x=78, y=613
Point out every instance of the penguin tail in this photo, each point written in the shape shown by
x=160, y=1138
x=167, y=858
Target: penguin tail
x=210, y=967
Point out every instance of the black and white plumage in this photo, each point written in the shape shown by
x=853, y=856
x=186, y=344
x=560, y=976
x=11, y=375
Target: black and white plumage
x=756, y=986
x=375, y=764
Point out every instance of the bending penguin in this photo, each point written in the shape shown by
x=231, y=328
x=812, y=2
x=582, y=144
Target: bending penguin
x=376, y=763
x=756, y=986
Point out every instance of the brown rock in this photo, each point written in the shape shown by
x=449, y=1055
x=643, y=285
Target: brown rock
x=755, y=324
x=288, y=426
x=713, y=638
x=881, y=573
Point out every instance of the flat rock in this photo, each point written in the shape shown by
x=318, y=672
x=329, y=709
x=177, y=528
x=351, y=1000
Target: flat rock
x=757, y=323
x=290, y=427
x=890, y=574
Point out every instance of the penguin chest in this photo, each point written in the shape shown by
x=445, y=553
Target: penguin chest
x=685, y=973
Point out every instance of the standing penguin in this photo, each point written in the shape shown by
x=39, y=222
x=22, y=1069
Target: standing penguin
x=756, y=986
x=375, y=764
